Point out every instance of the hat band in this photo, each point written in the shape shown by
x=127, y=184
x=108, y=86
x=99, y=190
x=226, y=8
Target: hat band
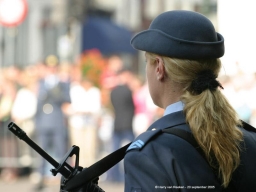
x=220, y=38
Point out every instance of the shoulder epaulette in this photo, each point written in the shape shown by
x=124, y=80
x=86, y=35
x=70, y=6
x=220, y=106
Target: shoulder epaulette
x=142, y=139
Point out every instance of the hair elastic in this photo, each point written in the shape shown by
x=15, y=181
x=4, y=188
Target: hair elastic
x=206, y=79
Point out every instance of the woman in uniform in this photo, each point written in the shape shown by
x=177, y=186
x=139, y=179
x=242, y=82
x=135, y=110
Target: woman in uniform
x=182, y=51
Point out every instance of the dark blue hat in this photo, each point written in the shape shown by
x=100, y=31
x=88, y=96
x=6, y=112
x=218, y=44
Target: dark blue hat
x=181, y=34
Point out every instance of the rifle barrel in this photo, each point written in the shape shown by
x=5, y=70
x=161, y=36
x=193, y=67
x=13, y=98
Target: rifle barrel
x=23, y=136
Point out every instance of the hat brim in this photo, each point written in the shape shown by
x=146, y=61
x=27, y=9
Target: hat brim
x=156, y=41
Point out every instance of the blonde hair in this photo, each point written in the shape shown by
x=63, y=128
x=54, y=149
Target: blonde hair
x=212, y=119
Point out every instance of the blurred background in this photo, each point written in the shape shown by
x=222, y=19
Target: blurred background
x=61, y=60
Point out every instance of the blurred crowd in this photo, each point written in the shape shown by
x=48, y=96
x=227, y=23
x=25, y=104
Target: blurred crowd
x=58, y=107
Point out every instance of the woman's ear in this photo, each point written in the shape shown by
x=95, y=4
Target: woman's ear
x=160, y=68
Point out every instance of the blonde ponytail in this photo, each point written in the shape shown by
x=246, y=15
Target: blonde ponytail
x=211, y=118
x=213, y=123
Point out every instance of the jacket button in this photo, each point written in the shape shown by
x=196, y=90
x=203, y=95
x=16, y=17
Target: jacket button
x=153, y=129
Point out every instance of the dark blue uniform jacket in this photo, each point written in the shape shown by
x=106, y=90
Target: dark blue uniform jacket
x=163, y=162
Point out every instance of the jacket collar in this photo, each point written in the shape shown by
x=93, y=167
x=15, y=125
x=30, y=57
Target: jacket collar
x=170, y=120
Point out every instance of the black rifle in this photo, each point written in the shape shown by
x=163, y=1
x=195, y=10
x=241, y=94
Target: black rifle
x=68, y=172
x=77, y=179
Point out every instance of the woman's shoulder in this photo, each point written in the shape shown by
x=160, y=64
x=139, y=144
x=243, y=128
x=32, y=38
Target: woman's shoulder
x=243, y=178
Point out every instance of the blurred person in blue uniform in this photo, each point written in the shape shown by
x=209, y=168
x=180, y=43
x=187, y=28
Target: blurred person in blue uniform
x=50, y=121
x=182, y=51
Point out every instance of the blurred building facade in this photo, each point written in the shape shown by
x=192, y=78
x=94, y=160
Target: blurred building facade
x=54, y=26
